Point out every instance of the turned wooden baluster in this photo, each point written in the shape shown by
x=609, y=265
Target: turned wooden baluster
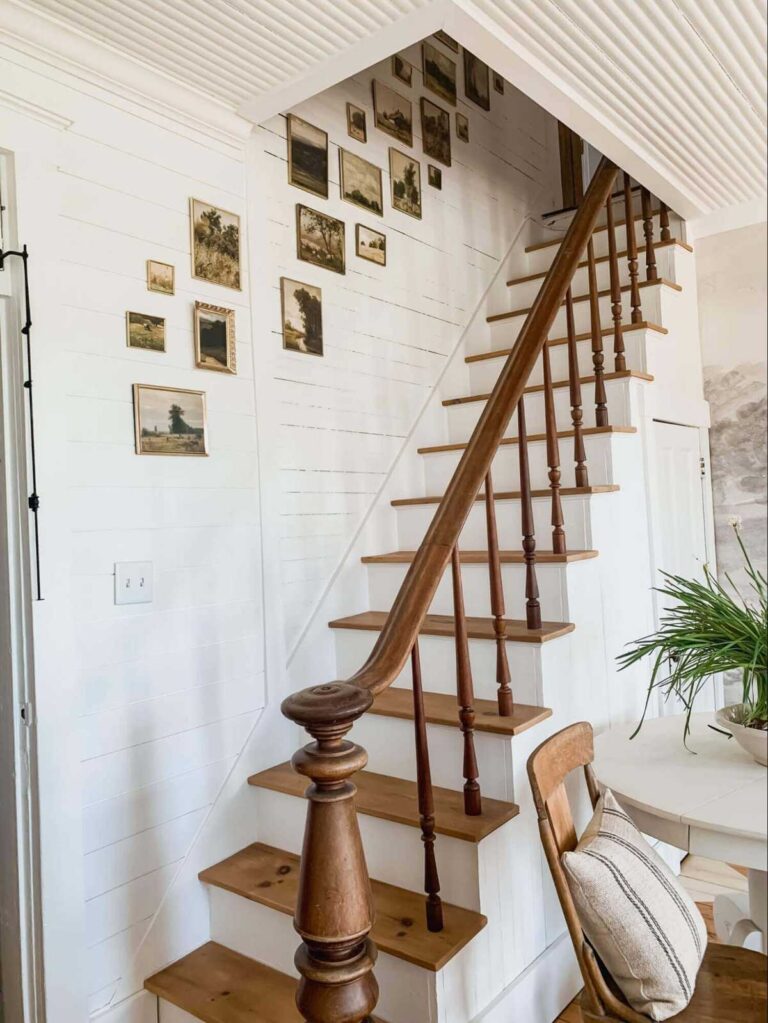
x=503, y=677
x=598, y=357
x=466, y=693
x=426, y=799
x=336, y=957
x=553, y=456
x=634, y=283
x=620, y=362
x=651, y=273
x=666, y=234
x=577, y=415
x=532, y=605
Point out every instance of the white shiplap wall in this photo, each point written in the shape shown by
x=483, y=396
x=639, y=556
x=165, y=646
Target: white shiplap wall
x=388, y=330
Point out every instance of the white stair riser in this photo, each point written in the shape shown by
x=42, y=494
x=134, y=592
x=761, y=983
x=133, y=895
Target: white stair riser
x=413, y=520
x=168, y=1013
x=440, y=466
x=541, y=259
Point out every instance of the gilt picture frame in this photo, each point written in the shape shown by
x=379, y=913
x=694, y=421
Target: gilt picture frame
x=301, y=316
x=370, y=245
x=161, y=277
x=320, y=239
x=439, y=73
x=392, y=113
x=307, y=156
x=360, y=182
x=170, y=421
x=435, y=131
x=215, y=341
x=405, y=183
x=215, y=244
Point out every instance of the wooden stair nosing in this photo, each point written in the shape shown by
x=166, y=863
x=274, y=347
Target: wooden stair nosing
x=676, y=242
x=661, y=282
x=270, y=877
x=517, y=630
x=512, y=557
x=600, y=227
x=499, y=353
x=441, y=709
x=515, y=495
x=534, y=438
x=396, y=800
x=625, y=374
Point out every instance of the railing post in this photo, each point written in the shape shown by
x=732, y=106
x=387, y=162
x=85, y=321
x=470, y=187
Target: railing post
x=651, y=273
x=634, y=284
x=336, y=957
x=577, y=414
x=666, y=234
x=465, y=691
x=620, y=362
x=498, y=609
x=532, y=605
x=598, y=356
x=553, y=456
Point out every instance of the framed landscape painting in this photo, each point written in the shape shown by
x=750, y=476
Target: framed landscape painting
x=356, y=126
x=393, y=113
x=169, y=421
x=160, y=277
x=447, y=40
x=434, y=176
x=307, y=156
x=405, y=177
x=360, y=182
x=302, y=317
x=402, y=69
x=320, y=239
x=477, y=81
x=215, y=244
x=462, y=127
x=439, y=72
x=215, y=346
x=371, y=245
x=145, y=331
x=436, y=131
x=498, y=83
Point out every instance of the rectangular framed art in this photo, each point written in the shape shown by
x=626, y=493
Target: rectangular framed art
x=439, y=72
x=436, y=131
x=301, y=308
x=215, y=244
x=160, y=277
x=370, y=244
x=360, y=182
x=307, y=156
x=145, y=331
x=169, y=421
x=477, y=84
x=320, y=239
x=405, y=178
x=215, y=343
x=356, y=126
x=393, y=113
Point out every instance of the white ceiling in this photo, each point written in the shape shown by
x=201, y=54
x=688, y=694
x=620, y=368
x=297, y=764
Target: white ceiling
x=680, y=84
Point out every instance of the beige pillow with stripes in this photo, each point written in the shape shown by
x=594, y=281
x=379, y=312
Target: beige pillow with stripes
x=641, y=922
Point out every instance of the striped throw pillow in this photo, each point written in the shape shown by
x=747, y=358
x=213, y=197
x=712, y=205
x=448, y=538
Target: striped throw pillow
x=640, y=921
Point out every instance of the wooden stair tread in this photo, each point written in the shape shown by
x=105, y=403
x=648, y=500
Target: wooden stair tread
x=393, y=799
x=677, y=242
x=543, y=557
x=477, y=628
x=441, y=709
x=514, y=495
x=533, y=438
x=626, y=374
x=600, y=227
x=661, y=281
x=627, y=328
x=270, y=877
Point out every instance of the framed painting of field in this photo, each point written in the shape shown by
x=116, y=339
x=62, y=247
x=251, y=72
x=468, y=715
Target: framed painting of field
x=145, y=331
x=169, y=421
x=302, y=317
x=393, y=113
x=215, y=346
x=370, y=244
x=320, y=239
x=215, y=244
x=360, y=182
x=307, y=156
x=160, y=277
x=439, y=72
x=435, y=131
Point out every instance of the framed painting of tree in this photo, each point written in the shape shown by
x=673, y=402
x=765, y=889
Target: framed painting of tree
x=302, y=317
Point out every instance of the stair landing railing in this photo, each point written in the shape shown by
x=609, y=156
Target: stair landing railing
x=334, y=912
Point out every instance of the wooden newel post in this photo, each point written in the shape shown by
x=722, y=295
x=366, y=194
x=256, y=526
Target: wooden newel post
x=334, y=910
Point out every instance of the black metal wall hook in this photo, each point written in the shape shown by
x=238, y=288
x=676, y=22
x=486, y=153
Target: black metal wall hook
x=26, y=330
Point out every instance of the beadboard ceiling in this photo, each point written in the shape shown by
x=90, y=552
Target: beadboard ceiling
x=680, y=82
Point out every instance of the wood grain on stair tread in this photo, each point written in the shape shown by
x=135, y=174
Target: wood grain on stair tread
x=660, y=281
x=626, y=374
x=270, y=877
x=543, y=557
x=588, y=431
x=514, y=495
x=441, y=709
x=517, y=630
x=600, y=227
x=676, y=242
x=627, y=328
x=394, y=799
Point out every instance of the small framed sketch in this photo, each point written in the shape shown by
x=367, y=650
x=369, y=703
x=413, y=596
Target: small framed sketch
x=447, y=40
x=439, y=72
x=320, y=239
x=360, y=182
x=393, y=113
x=356, y=126
x=215, y=346
x=498, y=83
x=160, y=277
x=402, y=70
x=145, y=331
x=436, y=131
x=307, y=156
x=477, y=81
x=434, y=176
x=302, y=316
x=370, y=244
x=405, y=177
x=215, y=244
x=462, y=127
x=169, y=421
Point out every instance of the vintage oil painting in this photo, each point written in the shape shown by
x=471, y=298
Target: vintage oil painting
x=215, y=346
x=477, y=81
x=160, y=277
x=371, y=245
x=307, y=156
x=393, y=113
x=145, y=331
x=436, y=131
x=360, y=182
x=439, y=72
x=215, y=244
x=405, y=176
x=320, y=239
x=169, y=421
x=302, y=317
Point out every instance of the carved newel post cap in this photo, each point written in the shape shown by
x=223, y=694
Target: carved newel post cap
x=334, y=702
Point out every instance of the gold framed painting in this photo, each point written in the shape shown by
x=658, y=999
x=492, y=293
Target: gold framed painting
x=169, y=421
x=405, y=179
x=360, y=182
x=356, y=123
x=435, y=131
x=462, y=127
x=320, y=239
x=393, y=113
x=439, y=72
x=434, y=176
x=447, y=40
x=161, y=277
x=402, y=70
x=143, y=330
x=301, y=307
x=371, y=245
x=215, y=342
x=215, y=244
x=307, y=156
x=477, y=87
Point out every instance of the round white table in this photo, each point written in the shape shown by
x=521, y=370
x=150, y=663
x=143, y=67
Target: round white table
x=712, y=804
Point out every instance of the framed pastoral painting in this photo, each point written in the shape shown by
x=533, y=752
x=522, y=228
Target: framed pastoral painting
x=370, y=244
x=434, y=176
x=393, y=113
x=405, y=179
x=215, y=343
x=360, y=182
x=462, y=127
x=169, y=421
x=477, y=81
x=160, y=277
x=320, y=239
x=447, y=40
x=307, y=156
x=402, y=70
x=145, y=331
x=302, y=317
x=436, y=131
x=356, y=126
x=439, y=72
x=215, y=244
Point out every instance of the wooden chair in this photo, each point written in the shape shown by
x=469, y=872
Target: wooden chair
x=731, y=986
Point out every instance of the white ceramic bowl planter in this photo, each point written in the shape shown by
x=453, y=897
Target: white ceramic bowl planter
x=753, y=740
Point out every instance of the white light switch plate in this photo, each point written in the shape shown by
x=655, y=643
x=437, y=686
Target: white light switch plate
x=133, y=582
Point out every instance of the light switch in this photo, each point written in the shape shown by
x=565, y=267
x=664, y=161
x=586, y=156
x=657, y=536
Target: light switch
x=133, y=582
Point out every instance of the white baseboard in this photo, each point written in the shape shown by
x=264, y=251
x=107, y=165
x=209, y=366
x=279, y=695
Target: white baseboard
x=139, y=1008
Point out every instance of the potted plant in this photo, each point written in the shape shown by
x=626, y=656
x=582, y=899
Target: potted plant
x=707, y=630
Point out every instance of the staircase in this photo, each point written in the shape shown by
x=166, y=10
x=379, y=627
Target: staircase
x=489, y=645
